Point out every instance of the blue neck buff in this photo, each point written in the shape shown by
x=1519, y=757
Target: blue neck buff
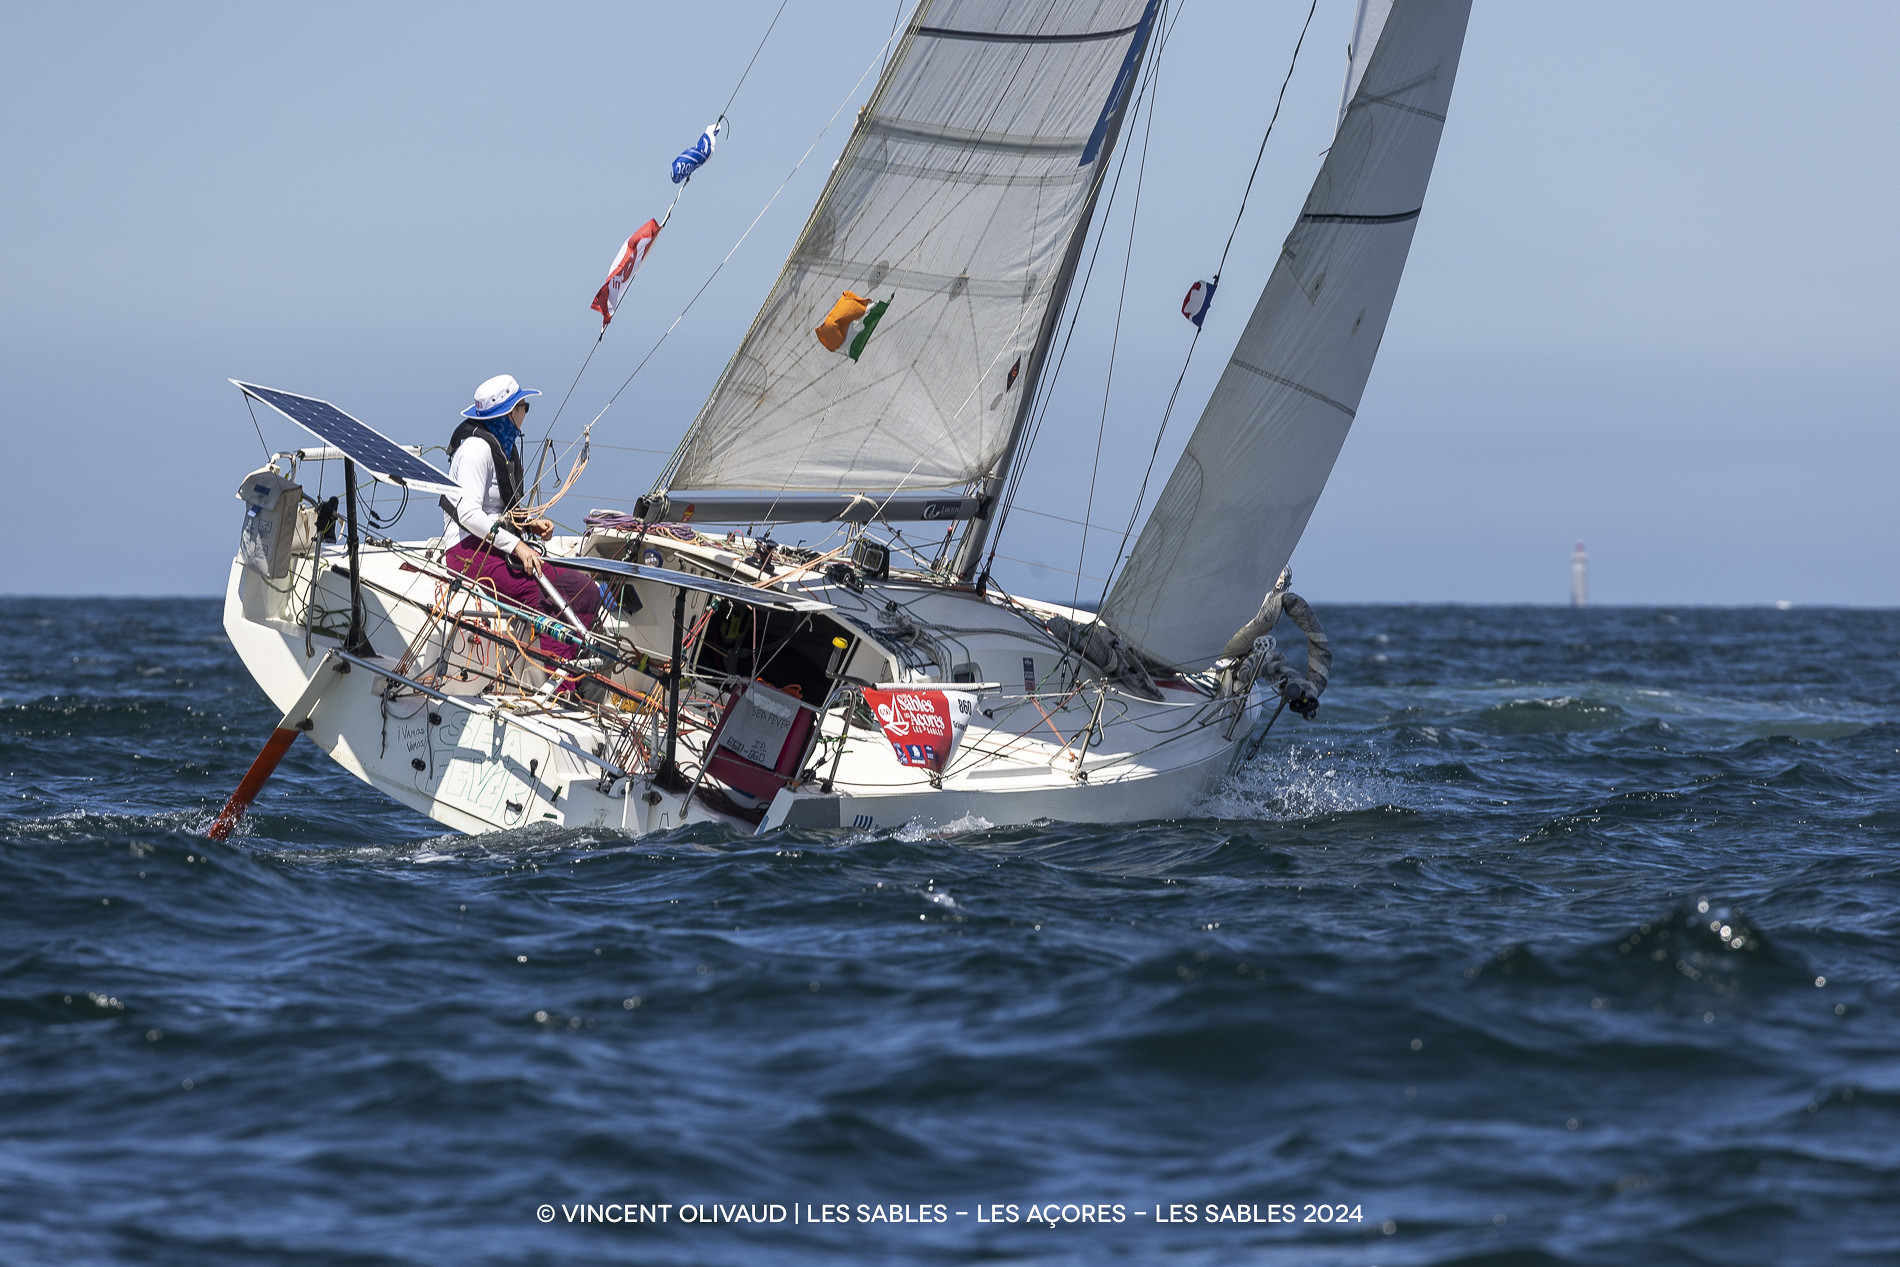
x=504, y=430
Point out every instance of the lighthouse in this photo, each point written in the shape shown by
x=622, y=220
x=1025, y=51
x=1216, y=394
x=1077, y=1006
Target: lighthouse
x=1579, y=577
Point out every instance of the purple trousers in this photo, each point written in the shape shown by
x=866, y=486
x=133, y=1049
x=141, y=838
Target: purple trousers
x=497, y=572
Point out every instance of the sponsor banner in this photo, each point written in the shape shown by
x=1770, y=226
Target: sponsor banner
x=924, y=727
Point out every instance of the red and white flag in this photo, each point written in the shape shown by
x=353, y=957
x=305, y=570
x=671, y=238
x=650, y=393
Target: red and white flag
x=626, y=264
x=924, y=727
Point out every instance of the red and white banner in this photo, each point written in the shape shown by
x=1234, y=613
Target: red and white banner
x=924, y=727
x=625, y=265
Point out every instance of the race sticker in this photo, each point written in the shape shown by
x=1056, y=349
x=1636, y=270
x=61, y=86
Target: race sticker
x=924, y=727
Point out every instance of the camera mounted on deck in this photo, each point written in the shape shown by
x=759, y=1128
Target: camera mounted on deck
x=872, y=559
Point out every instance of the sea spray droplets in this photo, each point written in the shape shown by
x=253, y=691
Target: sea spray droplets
x=1299, y=782
x=914, y=833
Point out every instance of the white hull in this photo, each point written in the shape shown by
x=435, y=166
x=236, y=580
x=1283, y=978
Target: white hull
x=504, y=759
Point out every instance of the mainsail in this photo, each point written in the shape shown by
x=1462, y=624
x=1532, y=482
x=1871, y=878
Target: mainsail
x=1239, y=498
x=968, y=176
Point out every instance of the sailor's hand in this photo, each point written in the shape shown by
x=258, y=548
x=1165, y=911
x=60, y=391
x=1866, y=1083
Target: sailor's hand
x=530, y=561
x=541, y=527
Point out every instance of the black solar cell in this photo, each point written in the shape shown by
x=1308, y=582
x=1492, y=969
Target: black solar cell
x=380, y=456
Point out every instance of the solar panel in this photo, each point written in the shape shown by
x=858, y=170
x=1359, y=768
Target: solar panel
x=375, y=452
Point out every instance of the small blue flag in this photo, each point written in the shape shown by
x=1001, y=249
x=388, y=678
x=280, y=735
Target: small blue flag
x=1199, y=296
x=691, y=160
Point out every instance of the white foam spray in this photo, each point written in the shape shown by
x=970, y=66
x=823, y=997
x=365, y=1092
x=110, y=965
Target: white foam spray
x=1298, y=782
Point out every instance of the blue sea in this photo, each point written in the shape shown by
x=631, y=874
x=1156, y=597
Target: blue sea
x=1560, y=937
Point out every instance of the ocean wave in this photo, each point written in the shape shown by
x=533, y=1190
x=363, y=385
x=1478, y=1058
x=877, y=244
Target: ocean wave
x=1551, y=716
x=1430, y=955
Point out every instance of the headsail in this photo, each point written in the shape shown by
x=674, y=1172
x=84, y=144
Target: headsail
x=1240, y=496
x=1367, y=23
x=956, y=200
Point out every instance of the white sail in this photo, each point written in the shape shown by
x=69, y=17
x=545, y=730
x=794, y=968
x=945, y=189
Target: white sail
x=956, y=199
x=1238, y=500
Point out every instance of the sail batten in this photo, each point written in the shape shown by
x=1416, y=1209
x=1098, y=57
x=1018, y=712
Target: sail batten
x=1026, y=37
x=956, y=201
x=1344, y=217
x=1236, y=504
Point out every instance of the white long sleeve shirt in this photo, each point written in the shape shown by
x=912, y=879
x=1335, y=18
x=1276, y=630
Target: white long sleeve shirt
x=477, y=500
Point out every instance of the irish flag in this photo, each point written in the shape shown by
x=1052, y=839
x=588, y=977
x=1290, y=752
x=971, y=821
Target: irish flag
x=625, y=265
x=849, y=324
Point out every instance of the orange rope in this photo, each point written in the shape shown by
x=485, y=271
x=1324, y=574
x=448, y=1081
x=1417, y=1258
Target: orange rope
x=522, y=514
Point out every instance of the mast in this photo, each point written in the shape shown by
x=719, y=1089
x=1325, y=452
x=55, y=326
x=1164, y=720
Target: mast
x=970, y=549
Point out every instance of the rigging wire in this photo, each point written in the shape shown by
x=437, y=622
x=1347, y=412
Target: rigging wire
x=260, y=431
x=1064, y=519
x=1261, y=153
x=1045, y=389
x=755, y=58
x=599, y=338
x=945, y=212
x=1114, y=345
x=741, y=242
x=882, y=229
x=962, y=162
x=549, y=433
x=630, y=448
x=896, y=16
x=547, y=436
x=1175, y=395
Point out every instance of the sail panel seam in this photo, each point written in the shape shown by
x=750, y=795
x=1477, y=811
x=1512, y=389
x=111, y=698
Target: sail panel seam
x=1141, y=493
x=1304, y=390
x=966, y=138
x=1010, y=288
x=964, y=176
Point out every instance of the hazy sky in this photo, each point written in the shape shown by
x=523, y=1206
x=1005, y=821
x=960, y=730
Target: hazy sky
x=1648, y=306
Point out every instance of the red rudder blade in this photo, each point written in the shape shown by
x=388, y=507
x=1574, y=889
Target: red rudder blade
x=253, y=782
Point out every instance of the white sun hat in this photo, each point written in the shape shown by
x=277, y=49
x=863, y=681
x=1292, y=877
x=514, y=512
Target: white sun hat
x=497, y=396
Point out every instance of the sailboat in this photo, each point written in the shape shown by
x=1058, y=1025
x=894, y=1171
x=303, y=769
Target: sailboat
x=734, y=680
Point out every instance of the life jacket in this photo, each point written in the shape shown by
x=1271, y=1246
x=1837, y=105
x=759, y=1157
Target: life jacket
x=507, y=469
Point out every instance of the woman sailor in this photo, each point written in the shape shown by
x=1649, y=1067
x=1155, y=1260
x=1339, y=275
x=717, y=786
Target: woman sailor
x=485, y=463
